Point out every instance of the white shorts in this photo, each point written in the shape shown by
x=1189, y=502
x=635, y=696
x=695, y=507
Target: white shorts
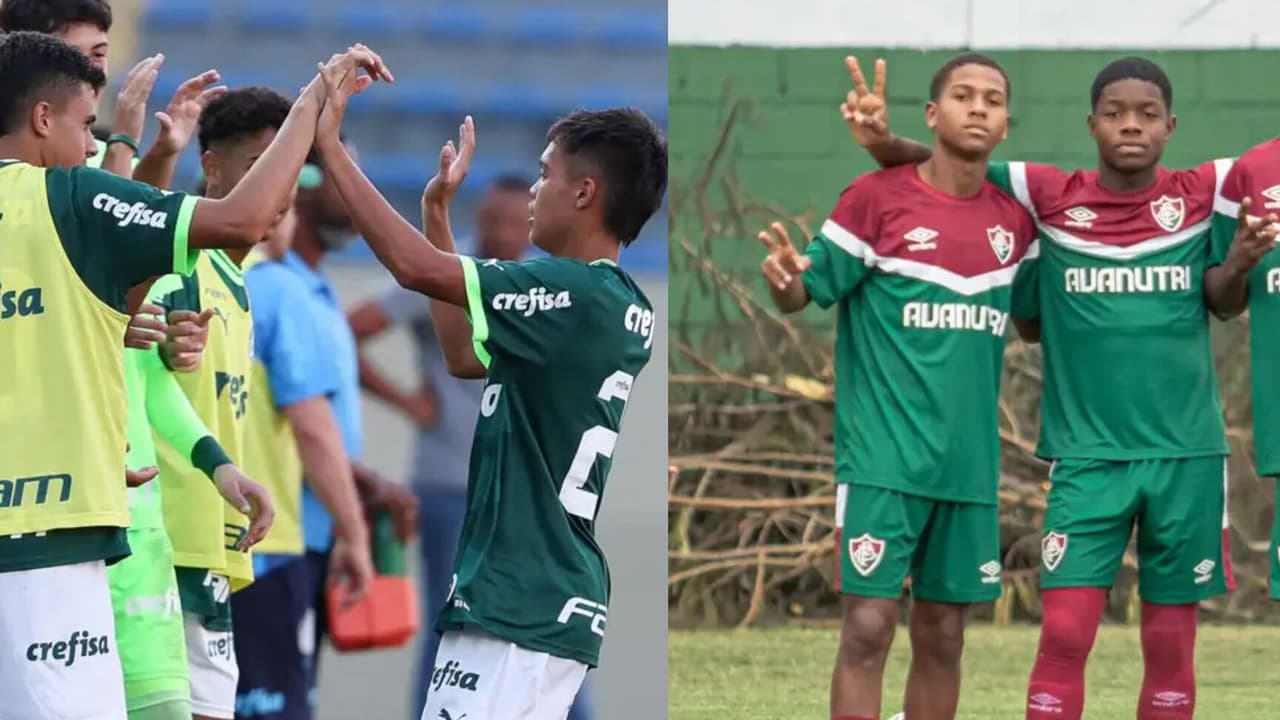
x=481, y=677
x=211, y=657
x=58, y=656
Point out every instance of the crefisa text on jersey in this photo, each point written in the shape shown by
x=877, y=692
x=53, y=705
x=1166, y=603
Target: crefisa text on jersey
x=29, y=301
x=537, y=299
x=640, y=321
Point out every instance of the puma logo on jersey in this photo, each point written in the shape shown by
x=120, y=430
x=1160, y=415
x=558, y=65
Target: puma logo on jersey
x=1273, y=195
x=1080, y=216
x=640, y=321
x=135, y=214
x=954, y=316
x=1159, y=278
x=921, y=239
x=537, y=299
x=21, y=303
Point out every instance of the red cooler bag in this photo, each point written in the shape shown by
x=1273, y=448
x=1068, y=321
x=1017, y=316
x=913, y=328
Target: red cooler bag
x=388, y=615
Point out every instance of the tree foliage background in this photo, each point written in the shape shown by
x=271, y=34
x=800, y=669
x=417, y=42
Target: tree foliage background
x=751, y=514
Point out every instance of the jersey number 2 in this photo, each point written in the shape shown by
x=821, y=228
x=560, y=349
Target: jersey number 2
x=596, y=442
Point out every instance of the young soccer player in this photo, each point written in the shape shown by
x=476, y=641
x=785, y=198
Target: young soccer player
x=923, y=262
x=76, y=240
x=1246, y=274
x=529, y=601
x=1122, y=287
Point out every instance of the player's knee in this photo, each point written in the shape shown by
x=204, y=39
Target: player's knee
x=867, y=635
x=938, y=634
x=1066, y=637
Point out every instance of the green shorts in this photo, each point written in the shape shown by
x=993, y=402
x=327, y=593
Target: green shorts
x=1179, y=506
x=1275, y=551
x=148, y=616
x=951, y=550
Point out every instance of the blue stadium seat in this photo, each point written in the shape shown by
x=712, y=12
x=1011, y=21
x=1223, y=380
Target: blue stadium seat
x=393, y=173
x=424, y=98
x=635, y=29
x=368, y=21
x=456, y=24
x=547, y=26
x=177, y=15
x=274, y=16
x=518, y=100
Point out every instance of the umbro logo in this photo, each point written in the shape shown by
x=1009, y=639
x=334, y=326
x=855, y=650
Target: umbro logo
x=990, y=572
x=1204, y=571
x=1080, y=216
x=1044, y=701
x=1273, y=195
x=921, y=238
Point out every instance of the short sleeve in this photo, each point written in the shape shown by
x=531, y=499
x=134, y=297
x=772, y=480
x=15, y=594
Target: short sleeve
x=525, y=310
x=175, y=292
x=1025, y=293
x=286, y=334
x=1012, y=179
x=1227, y=196
x=404, y=307
x=843, y=252
x=117, y=232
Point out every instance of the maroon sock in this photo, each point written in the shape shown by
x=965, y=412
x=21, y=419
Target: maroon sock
x=1169, y=669
x=1070, y=623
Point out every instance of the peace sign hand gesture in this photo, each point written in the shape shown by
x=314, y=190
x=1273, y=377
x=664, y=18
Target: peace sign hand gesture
x=1254, y=238
x=863, y=110
x=783, y=265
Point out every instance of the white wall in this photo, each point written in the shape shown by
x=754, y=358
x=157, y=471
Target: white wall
x=1165, y=24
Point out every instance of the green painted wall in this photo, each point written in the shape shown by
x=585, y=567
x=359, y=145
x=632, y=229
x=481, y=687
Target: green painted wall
x=793, y=149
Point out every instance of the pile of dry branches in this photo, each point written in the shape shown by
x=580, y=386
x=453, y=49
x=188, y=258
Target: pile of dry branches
x=751, y=513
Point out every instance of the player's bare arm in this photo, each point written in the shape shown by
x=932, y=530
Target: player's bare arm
x=1028, y=329
x=412, y=260
x=866, y=113
x=131, y=112
x=177, y=126
x=782, y=268
x=243, y=217
x=1226, y=286
x=452, y=326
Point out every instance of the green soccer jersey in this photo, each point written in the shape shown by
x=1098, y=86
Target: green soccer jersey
x=1128, y=370
x=1256, y=175
x=923, y=282
x=563, y=341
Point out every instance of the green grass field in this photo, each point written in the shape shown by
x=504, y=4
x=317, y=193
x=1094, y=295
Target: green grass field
x=781, y=674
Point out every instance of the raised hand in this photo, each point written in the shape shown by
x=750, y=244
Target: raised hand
x=1253, y=239
x=186, y=337
x=864, y=110
x=178, y=121
x=454, y=164
x=783, y=265
x=250, y=498
x=146, y=328
x=131, y=103
x=339, y=79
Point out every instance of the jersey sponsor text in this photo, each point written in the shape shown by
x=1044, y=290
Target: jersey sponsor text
x=1158, y=278
x=537, y=299
x=17, y=491
x=640, y=321
x=452, y=674
x=1273, y=281
x=20, y=302
x=954, y=316
x=135, y=214
x=596, y=612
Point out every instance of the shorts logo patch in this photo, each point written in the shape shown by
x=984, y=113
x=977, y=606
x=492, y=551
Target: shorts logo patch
x=1168, y=212
x=1170, y=699
x=866, y=552
x=1204, y=571
x=1052, y=548
x=451, y=674
x=990, y=572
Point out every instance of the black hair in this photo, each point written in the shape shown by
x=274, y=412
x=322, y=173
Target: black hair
x=51, y=16
x=35, y=67
x=943, y=74
x=631, y=156
x=241, y=113
x=1132, y=68
x=511, y=182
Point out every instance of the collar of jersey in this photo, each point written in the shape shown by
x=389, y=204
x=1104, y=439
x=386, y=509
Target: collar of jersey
x=603, y=261
x=226, y=266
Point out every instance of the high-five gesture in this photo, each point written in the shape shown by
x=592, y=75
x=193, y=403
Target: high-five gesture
x=339, y=79
x=782, y=267
x=178, y=120
x=1254, y=238
x=864, y=110
x=454, y=163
